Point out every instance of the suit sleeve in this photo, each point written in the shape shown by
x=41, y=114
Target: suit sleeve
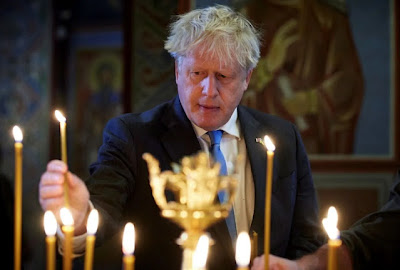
x=306, y=234
x=374, y=241
x=112, y=177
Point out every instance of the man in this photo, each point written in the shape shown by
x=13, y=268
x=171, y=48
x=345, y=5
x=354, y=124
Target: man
x=215, y=51
x=371, y=243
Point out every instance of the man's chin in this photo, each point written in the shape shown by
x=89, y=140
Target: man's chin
x=209, y=125
x=210, y=121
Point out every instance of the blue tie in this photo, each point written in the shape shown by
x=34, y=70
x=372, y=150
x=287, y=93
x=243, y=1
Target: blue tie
x=215, y=137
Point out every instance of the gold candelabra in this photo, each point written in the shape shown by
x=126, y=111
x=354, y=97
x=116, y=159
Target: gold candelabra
x=195, y=185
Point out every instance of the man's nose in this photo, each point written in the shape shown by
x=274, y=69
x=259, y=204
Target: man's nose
x=209, y=85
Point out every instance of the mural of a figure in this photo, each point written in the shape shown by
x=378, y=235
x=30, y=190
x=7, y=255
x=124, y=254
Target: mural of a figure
x=104, y=102
x=309, y=71
x=99, y=98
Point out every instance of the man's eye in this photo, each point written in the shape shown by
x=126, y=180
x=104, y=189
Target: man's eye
x=197, y=75
x=222, y=76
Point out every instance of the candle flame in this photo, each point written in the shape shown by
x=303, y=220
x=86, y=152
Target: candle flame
x=66, y=217
x=201, y=252
x=17, y=134
x=60, y=117
x=330, y=223
x=243, y=249
x=128, y=239
x=269, y=144
x=92, y=222
x=50, y=223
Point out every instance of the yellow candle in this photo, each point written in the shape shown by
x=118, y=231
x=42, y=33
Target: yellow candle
x=50, y=227
x=243, y=251
x=68, y=230
x=18, y=196
x=268, y=188
x=333, y=245
x=254, y=246
x=91, y=228
x=128, y=247
x=63, y=144
x=330, y=225
x=200, y=254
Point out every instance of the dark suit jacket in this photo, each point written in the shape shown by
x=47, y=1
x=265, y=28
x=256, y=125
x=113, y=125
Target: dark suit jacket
x=374, y=241
x=119, y=185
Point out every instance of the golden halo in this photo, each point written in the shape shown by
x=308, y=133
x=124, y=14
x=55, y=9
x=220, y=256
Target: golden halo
x=111, y=61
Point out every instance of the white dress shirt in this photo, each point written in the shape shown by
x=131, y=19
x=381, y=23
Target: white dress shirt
x=232, y=145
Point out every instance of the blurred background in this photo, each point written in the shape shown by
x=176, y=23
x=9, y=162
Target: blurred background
x=336, y=78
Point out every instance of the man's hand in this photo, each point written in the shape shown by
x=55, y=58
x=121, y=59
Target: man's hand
x=275, y=263
x=314, y=261
x=51, y=193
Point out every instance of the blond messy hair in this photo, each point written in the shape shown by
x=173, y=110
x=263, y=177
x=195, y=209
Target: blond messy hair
x=216, y=31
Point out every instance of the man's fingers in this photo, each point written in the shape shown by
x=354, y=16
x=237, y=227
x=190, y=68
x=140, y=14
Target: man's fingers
x=51, y=191
x=57, y=166
x=74, y=181
x=71, y=178
x=257, y=263
x=51, y=178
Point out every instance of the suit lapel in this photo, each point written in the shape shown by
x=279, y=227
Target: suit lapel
x=257, y=155
x=179, y=138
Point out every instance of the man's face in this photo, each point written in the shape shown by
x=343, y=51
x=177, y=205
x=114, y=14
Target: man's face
x=209, y=92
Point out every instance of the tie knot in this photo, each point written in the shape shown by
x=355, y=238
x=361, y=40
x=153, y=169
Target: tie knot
x=215, y=136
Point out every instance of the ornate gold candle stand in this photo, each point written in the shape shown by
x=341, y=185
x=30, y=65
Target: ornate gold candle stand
x=195, y=185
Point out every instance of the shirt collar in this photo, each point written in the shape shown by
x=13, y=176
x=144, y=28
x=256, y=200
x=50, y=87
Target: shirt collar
x=231, y=127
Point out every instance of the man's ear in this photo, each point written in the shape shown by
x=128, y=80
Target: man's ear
x=249, y=73
x=248, y=77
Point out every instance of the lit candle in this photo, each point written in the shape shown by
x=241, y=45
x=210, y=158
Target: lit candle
x=50, y=227
x=268, y=188
x=128, y=246
x=330, y=225
x=68, y=230
x=18, y=197
x=243, y=251
x=91, y=228
x=200, y=254
x=63, y=143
